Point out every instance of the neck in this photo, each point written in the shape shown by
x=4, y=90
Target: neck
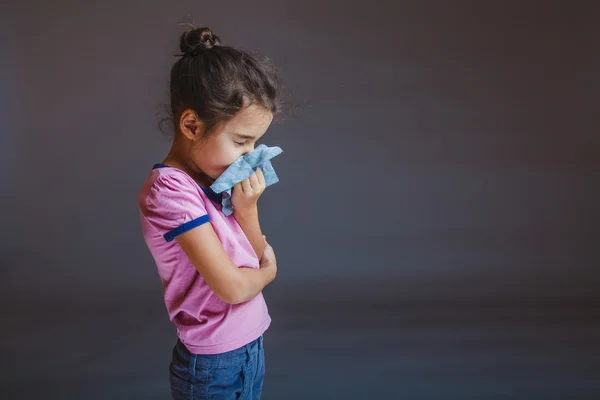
x=179, y=158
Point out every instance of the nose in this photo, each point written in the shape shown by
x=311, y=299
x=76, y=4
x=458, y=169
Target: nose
x=249, y=149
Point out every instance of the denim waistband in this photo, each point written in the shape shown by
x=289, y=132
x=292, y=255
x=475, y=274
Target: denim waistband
x=222, y=360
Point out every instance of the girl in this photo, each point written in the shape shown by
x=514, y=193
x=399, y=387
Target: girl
x=213, y=268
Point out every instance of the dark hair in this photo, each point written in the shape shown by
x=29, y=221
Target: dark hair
x=217, y=81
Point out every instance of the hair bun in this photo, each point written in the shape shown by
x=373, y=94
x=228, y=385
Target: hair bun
x=195, y=41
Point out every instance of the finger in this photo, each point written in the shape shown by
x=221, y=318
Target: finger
x=238, y=187
x=246, y=187
x=261, y=177
x=268, y=252
x=254, y=181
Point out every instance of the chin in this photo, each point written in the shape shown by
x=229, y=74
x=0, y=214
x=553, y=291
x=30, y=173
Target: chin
x=213, y=177
x=220, y=172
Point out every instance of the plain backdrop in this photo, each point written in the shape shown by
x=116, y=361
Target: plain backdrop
x=440, y=153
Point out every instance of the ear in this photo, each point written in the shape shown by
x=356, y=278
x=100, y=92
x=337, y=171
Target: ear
x=190, y=125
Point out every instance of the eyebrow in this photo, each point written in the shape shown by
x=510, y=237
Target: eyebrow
x=243, y=136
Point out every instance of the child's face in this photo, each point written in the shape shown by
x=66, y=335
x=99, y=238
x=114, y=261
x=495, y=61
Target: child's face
x=230, y=140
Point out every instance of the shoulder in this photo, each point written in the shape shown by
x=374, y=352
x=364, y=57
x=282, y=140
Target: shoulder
x=169, y=188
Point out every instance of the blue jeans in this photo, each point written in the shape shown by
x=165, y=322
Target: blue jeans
x=236, y=374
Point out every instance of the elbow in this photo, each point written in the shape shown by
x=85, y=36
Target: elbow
x=235, y=300
x=234, y=293
x=230, y=298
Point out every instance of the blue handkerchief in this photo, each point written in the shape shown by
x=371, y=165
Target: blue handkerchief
x=241, y=169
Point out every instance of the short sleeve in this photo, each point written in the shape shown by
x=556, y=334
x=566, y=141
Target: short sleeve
x=173, y=205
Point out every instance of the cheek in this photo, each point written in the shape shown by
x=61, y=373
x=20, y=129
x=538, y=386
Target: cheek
x=218, y=158
x=226, y=154
x=227, y=159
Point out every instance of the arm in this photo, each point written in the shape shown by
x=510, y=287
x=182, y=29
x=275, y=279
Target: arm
x=231, y=284
x=245, y=209
x=248, y=221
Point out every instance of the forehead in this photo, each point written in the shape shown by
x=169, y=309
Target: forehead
x=252, y=120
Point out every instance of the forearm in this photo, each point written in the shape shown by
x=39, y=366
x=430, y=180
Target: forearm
x=251, y=282
x=249, y=223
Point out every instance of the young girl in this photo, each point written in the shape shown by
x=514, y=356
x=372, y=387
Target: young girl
x=213, y=267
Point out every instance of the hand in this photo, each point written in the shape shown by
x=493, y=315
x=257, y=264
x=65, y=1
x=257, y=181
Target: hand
x=245, y=194
x=268, y=259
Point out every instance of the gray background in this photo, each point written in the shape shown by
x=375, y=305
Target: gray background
x=436, y=223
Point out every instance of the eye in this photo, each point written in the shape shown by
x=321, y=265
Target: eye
x=240, y=143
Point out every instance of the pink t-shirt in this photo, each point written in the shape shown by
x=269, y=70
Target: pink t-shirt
x=171, y=203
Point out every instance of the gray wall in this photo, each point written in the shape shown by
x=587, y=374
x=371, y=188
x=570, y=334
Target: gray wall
x=436, y=145
x=436, y=224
